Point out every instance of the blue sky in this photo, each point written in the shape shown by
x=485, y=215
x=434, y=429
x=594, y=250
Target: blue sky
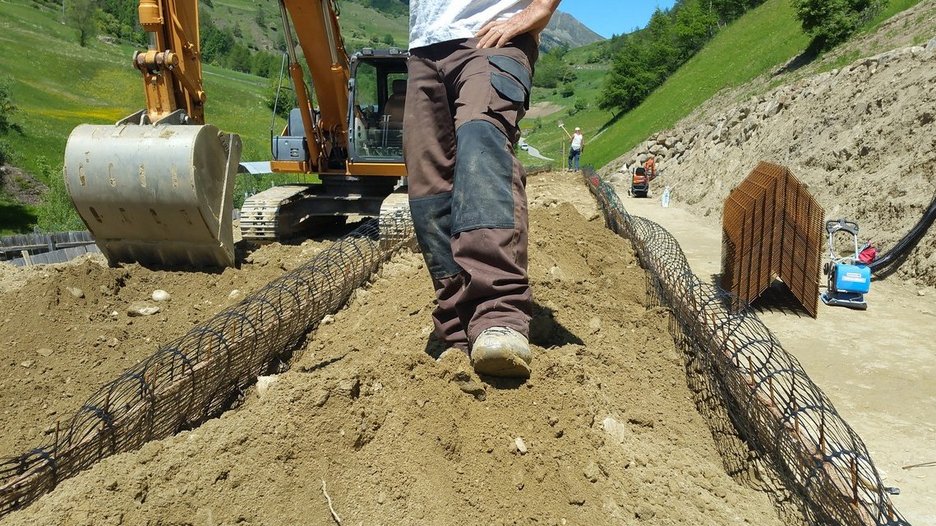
x=607, y=17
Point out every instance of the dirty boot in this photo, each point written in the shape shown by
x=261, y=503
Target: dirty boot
x=501, y=351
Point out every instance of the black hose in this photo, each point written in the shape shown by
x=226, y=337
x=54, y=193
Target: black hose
x=903, y=247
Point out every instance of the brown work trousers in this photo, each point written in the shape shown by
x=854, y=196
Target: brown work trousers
x=466, y=188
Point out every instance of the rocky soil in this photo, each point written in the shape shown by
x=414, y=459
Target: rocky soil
x=20, y=186
x=604, y=432
x=862, y=137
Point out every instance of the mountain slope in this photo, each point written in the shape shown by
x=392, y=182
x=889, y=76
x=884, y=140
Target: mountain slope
x=565, y=29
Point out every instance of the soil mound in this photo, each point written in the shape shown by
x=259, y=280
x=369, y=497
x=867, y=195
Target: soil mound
x=605, y=430
x=67, y=329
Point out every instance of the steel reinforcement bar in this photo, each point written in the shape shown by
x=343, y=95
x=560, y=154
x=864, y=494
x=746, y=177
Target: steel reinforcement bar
x=773, y=404
x=202, y=373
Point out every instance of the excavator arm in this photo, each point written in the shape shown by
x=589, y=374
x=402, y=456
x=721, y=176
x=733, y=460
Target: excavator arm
x=157, y=187
x=172, y=73
x=319, y=34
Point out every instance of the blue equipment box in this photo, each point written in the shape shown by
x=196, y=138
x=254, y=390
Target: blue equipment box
x=852, y=278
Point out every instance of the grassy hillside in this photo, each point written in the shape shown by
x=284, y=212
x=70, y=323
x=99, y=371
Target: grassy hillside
x=770, y=35
x=259, y=22
x=57, y=85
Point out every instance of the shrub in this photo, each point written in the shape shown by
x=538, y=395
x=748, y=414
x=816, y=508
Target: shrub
x=56, y=213
x=832, y=22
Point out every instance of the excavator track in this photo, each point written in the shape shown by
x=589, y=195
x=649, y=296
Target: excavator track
x=396, y=223
x=290, y=211
x=260, y=219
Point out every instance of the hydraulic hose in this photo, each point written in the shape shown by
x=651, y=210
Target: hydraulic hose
x=903, y=247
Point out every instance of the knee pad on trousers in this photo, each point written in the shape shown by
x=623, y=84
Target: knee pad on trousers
x=432, y=220
x=483, y=188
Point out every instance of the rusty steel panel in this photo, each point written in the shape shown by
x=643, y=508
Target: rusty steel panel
x=771, y=229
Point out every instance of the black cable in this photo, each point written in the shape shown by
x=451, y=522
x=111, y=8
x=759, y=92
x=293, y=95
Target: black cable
x=902, y=249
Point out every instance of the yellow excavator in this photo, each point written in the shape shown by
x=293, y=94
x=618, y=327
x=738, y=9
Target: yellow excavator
x=157, y=187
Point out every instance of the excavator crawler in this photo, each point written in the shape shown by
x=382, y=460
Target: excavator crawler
x=157, y=187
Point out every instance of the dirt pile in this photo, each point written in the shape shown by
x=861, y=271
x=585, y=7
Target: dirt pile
x=605, y=431
x=67, y=329
x=20, y=186
x=862, y=137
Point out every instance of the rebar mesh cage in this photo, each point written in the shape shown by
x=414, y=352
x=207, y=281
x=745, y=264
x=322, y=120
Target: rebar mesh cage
x=771, y=401
x=200, y=374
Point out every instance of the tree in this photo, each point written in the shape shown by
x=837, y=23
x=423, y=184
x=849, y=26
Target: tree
x=284, y=100
x=119, y=18
x=216, y=43
x=82, y=15
x=831, y=22
x=265, y=64
x=552, y=69
x=7, y=109
x=629, y=81
x=239, y=58
x=694, y=26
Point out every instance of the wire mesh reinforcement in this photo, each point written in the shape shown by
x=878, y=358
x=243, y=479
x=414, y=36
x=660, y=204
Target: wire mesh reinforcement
x=773, y=404
x=202, y=373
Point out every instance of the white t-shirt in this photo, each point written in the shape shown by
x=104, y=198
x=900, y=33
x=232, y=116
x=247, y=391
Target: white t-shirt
x=434, y=21
x=577, y=139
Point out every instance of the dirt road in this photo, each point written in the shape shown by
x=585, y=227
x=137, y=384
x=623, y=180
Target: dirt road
x=876, y=366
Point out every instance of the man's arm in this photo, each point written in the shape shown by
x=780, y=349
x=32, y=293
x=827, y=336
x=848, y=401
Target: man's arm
x=531, y=20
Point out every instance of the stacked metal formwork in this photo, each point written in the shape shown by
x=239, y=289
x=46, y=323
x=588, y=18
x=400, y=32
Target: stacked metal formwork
x=771, y=228
x=782, y=415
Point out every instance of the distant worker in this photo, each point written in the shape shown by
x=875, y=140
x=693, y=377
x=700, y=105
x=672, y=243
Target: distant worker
x=470, y=75
x=576, y=145
x=650, y=168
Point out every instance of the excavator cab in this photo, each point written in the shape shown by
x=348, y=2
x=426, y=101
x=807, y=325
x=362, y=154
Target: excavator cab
x=359, y=173
x=378, y=93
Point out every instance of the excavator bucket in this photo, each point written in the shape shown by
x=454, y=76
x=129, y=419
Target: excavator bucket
x=160, y=195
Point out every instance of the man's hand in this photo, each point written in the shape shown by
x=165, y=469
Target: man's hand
x=531, y=20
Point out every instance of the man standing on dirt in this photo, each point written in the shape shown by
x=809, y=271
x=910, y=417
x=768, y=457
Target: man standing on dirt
x=470, y=75
x=650, y=167
x=576, y=145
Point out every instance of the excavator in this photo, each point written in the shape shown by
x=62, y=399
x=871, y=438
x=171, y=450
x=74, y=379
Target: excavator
x=157, y=186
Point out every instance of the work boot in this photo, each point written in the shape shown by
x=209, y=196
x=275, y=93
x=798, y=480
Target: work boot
x=501, y=351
